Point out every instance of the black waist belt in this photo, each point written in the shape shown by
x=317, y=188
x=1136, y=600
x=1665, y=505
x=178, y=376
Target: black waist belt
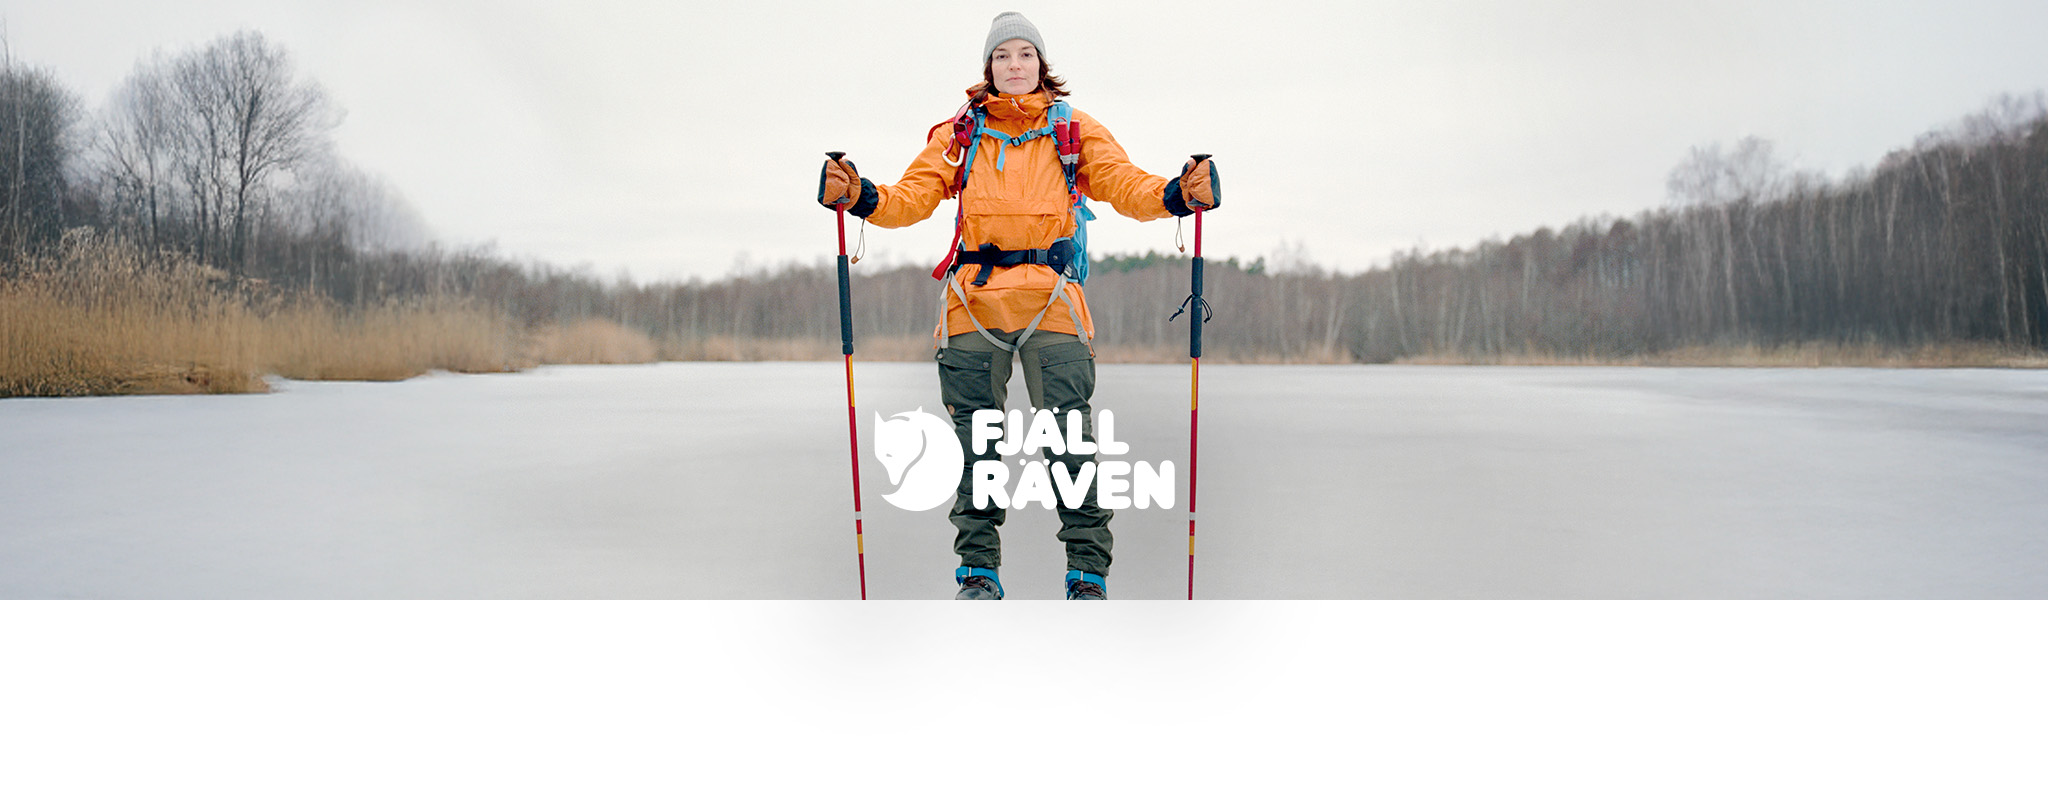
x=1060, y=254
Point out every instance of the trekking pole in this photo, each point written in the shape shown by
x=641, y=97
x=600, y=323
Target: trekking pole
x=846, y=346
x=1194, y=400
x=1195, y=321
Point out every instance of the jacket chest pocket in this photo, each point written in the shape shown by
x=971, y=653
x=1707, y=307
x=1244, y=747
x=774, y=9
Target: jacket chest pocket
x=1023, y=179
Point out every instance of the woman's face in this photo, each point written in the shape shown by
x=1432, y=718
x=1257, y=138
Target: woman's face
x=1015, y=67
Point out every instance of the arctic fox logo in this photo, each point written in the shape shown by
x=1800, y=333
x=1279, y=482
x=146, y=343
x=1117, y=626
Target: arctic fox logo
x=923, y=458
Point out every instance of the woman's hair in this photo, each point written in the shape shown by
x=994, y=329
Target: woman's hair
x=1047, y=82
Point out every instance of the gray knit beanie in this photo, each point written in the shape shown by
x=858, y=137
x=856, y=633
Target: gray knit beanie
x=1011, y=25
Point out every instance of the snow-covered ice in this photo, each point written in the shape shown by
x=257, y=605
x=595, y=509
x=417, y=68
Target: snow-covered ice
x=731, y=481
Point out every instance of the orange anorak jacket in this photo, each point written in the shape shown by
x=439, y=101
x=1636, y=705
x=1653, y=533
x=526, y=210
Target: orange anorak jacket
x=1022, y=206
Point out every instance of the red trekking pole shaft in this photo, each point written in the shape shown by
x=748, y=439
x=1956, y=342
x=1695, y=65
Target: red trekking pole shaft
x=1197, y=310
x=1194, y=397
x=846, y=346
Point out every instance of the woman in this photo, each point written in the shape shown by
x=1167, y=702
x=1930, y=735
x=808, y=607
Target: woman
x=1013, y=283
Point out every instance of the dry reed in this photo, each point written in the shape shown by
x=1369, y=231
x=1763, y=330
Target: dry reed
x=100, y=316
x=919, y=348
x=730, y=348
x=313, y=339
x=1947, y=355
x=590, y=341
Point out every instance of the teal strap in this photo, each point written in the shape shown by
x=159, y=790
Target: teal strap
x=1082, y=216
x=1077, y=575
x=1006, y=141
x=961, y=575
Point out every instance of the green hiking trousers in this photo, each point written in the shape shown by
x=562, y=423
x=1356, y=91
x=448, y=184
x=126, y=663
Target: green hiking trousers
x=1059, y=373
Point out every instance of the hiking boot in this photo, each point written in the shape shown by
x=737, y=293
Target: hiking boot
x=1086, y=586
x=977, y=584
x=979, y=588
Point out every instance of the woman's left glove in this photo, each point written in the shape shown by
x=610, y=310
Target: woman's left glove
x=840, y=183
x=1199, y=188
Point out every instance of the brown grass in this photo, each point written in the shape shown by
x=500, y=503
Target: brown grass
x=100, y=317
x=1812, y=354
x=890, y=348
x=1231, y=355
x=312, y=339
x=727, y=348
x=919, y=348
x=99, y=320
x=591, y=341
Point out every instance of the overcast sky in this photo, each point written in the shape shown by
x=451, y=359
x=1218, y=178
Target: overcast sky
x=671, y=139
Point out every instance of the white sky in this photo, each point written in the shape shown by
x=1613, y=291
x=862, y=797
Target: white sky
x=677, y=139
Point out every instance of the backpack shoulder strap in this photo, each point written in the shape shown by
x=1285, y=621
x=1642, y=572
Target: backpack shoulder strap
x=959, y=152
x=1066, y=135
x=967, y=127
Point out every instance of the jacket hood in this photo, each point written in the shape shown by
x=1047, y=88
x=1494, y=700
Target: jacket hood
x=1015, y=106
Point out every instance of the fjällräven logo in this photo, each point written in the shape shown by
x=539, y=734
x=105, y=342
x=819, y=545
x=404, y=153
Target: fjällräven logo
x=923, y=459
x=925, y=462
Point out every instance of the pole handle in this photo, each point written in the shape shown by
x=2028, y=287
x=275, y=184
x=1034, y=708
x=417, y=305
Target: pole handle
x=845, y=279
x=837, y=155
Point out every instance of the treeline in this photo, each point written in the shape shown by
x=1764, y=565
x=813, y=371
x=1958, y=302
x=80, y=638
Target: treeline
x=1945, y=241
x=223, y=156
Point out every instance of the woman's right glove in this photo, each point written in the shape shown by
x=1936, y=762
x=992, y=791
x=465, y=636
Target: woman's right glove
x=1199, y=188
x=840, y=183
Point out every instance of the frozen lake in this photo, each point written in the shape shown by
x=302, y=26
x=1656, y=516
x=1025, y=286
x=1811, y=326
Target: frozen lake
x=731, y=481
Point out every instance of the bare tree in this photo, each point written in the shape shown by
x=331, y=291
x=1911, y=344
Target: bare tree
x=37, y=119
x=135, y=142
x=1750, y=171
x=244, y=117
